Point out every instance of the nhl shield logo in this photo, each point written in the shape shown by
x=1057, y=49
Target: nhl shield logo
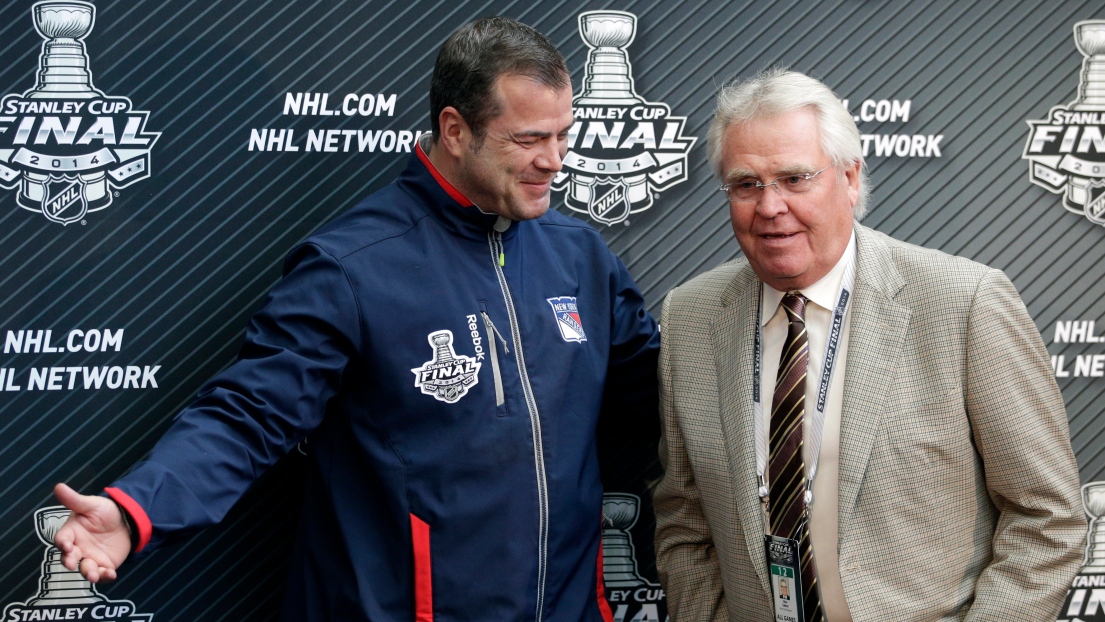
x=63, y=199
x=1095, y=201
x=609, y=202
x=566, y=312
x=448, y=376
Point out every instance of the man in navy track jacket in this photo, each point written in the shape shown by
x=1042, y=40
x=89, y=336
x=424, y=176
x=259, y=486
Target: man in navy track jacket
x=449, y=344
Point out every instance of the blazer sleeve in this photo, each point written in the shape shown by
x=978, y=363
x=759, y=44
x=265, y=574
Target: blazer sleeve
x=1019, y=425
x=686, y=558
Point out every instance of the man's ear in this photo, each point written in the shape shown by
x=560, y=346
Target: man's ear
x=455, y=133
x=851, y=174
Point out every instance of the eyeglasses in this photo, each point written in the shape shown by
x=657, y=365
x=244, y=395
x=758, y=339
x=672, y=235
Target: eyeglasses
x=753, y=189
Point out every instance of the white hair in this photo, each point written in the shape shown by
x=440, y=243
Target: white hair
x=777, y=91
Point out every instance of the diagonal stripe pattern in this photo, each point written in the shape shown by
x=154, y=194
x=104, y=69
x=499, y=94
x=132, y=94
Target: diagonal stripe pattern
x=788, y=473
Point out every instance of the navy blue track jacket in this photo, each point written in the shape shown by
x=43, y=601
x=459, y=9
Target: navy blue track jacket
x=450, y=368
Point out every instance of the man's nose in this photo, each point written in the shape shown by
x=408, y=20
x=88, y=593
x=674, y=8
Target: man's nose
x=551, y=157
x=772, y=202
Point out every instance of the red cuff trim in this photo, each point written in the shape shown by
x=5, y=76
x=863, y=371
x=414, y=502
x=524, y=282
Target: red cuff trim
x=441, y=181
x=137, y=514
x=604, y=607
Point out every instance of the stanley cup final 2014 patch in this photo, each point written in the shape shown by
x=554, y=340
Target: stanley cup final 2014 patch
x=622, y=150
x=448, y=375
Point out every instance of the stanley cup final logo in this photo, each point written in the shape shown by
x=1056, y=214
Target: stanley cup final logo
x=65, y=144
x=64, y=594
x=1066, y=152
x=1086, y=598
x=448, y=376
x=622, y=151
x=631, y=596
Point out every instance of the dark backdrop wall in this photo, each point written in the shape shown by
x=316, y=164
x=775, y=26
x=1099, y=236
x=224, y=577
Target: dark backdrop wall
x=134, y=248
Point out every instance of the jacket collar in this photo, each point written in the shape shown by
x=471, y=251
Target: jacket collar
x=448, y=205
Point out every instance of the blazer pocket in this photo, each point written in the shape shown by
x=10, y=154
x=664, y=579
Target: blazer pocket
x=931, y=432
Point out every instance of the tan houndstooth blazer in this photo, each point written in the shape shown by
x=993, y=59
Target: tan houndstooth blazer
x=959, y=493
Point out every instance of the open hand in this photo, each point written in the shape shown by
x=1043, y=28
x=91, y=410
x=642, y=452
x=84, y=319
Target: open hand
x=94, y=539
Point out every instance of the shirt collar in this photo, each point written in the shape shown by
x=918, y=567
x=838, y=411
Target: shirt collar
x=822, y=293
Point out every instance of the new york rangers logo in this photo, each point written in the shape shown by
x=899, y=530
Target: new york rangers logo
x=448, y=376
x=566, y=312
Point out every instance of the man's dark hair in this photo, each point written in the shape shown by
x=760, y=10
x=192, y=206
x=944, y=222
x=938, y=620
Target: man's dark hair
x=478, y=53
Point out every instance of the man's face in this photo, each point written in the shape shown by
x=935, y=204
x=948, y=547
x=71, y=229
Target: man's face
x=790, y=241
x=511, y=171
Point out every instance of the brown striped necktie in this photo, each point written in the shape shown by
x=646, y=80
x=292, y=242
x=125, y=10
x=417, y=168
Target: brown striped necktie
x=788, y=473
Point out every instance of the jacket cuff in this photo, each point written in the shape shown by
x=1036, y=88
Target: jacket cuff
x=134, y=517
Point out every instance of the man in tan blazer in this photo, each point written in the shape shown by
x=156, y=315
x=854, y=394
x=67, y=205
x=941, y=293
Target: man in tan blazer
x=945, y=484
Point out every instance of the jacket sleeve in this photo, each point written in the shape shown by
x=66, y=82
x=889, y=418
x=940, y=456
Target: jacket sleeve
x=685, y=554
x=629, y=419
x=248, y=416
x=1020, y=428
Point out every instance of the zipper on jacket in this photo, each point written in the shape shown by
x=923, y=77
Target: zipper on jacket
x=495, y=240
x=493, y=352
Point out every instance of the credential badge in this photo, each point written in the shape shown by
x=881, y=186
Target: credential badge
x=448, y=376
x=566, y=312
x=622, y=151
x=1066, y=152
x=63, y=143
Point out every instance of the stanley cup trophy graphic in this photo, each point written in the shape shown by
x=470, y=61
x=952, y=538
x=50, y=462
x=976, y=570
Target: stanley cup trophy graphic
x=1089, y=38
x=63, y=74
x=59, y=586
x=619, y=563
x=63, y=66
x=1083, y=602
x=443, y=348
x=1093, y=498
x=607, y=80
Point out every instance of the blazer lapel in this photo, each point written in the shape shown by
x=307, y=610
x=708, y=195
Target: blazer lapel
x=877, y=330
x=733, y=334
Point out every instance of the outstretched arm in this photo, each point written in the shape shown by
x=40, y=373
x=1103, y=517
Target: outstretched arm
x=252, y=413
x=95, y=537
